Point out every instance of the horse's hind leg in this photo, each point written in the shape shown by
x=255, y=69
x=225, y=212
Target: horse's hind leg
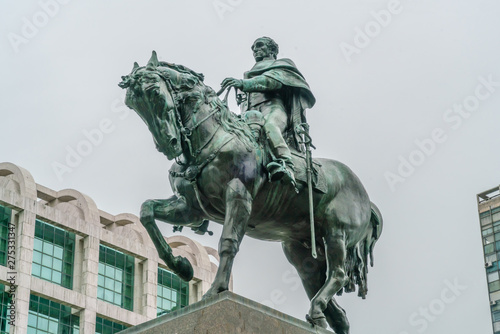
x=337, y=317
x=174, y=211
x=313, y=275
x=335, y=253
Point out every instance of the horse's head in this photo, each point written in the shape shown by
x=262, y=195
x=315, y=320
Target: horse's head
x=153, y=92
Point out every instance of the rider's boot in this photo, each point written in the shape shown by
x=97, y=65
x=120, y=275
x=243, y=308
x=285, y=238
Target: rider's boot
x=282, y=166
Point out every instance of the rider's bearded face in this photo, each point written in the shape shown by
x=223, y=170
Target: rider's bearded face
x=261, y=50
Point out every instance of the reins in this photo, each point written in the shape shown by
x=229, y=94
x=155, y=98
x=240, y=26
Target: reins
x=192, y=172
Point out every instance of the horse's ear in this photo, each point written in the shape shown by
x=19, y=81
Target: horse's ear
x=136, y=66
x=153, y=61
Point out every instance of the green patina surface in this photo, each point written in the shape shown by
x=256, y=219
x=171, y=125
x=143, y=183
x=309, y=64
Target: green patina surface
x=242, y=175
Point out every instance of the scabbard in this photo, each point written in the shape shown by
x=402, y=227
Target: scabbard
x=311, y=202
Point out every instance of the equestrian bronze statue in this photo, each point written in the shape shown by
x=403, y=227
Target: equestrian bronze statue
x=224, y=165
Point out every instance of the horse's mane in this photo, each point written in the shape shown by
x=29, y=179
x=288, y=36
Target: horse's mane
x=232, y=123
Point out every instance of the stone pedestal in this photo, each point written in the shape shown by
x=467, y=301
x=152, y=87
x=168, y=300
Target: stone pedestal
x=225, y=313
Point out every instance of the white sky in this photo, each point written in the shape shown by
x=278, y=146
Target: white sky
x=60, y=80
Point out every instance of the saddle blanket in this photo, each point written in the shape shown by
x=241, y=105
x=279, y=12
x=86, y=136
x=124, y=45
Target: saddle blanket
x=318, y=176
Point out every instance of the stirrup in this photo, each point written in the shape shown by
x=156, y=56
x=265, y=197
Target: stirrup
x=278, y=170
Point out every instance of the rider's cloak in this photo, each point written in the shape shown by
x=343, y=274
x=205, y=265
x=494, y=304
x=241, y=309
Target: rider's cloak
x=298, y=94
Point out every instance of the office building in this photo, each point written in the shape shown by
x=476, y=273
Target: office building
x=489, y=216
x=68, y=267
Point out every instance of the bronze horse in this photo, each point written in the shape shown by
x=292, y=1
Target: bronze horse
x=219, y=175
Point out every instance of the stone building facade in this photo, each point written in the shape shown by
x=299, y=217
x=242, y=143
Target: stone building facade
x=68, y=267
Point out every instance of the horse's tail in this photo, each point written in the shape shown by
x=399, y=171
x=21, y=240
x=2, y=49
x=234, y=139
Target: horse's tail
x=357, y=256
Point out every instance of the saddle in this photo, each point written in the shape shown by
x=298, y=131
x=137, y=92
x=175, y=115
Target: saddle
x=255, y=122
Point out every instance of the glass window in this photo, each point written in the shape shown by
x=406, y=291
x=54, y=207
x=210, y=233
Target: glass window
x=487, y=231
x=105, y=326
x=492, y=268
x=489, y=248
x=4, y=304
x=49, y=317
x=493, y=277
x=486, y=220
x=491, y=258
x=489, y=239
x=116, y=277
x=496, y=316
x=53, y=254
x=495, y=307
x=5, y=219
x=484, y=214
x=485, y=217
x=494, y=286
x=173, y=293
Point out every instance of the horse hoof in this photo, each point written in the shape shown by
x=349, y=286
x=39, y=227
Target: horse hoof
x=319, y=322
x=184, y=268
x=210, y=293
x=207, y=296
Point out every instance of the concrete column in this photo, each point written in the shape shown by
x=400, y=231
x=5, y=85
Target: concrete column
x=194, y=287
x=90, y=269
x=149, y=288
x=24, y=236
x=201, y=288
x=78, y=263
x=138, y=287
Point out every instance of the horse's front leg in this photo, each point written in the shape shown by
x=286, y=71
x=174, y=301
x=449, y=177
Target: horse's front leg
x=238, y=208
x=173, y=211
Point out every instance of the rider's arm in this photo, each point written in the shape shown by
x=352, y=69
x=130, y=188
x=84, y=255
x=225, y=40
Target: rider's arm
x=260, y=83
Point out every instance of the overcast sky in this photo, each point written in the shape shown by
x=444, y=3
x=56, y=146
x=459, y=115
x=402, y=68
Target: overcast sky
x=408, y=96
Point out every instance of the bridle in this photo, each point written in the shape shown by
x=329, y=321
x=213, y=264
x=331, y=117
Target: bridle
x=187, y=132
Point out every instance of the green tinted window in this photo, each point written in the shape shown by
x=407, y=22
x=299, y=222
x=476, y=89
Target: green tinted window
x=492, y=268
x=494, y=286
x=484, y=214
x=105, y=326
x=487, y=231
x=48, y=317
x=496, y=316
x=489, y=248
x=53, y=254
x=4, y=304
x=5, y=216
x=173, y=293
x=116, y=277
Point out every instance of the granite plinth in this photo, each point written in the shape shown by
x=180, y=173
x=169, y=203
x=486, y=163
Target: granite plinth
x=225, y=313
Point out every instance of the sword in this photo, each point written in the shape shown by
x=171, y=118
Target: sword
x=303, y=129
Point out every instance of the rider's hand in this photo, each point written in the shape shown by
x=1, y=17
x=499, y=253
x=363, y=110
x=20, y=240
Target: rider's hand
x=231, y=82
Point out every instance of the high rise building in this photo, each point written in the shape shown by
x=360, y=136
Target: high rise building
x=68, y=267
x=489, y=215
